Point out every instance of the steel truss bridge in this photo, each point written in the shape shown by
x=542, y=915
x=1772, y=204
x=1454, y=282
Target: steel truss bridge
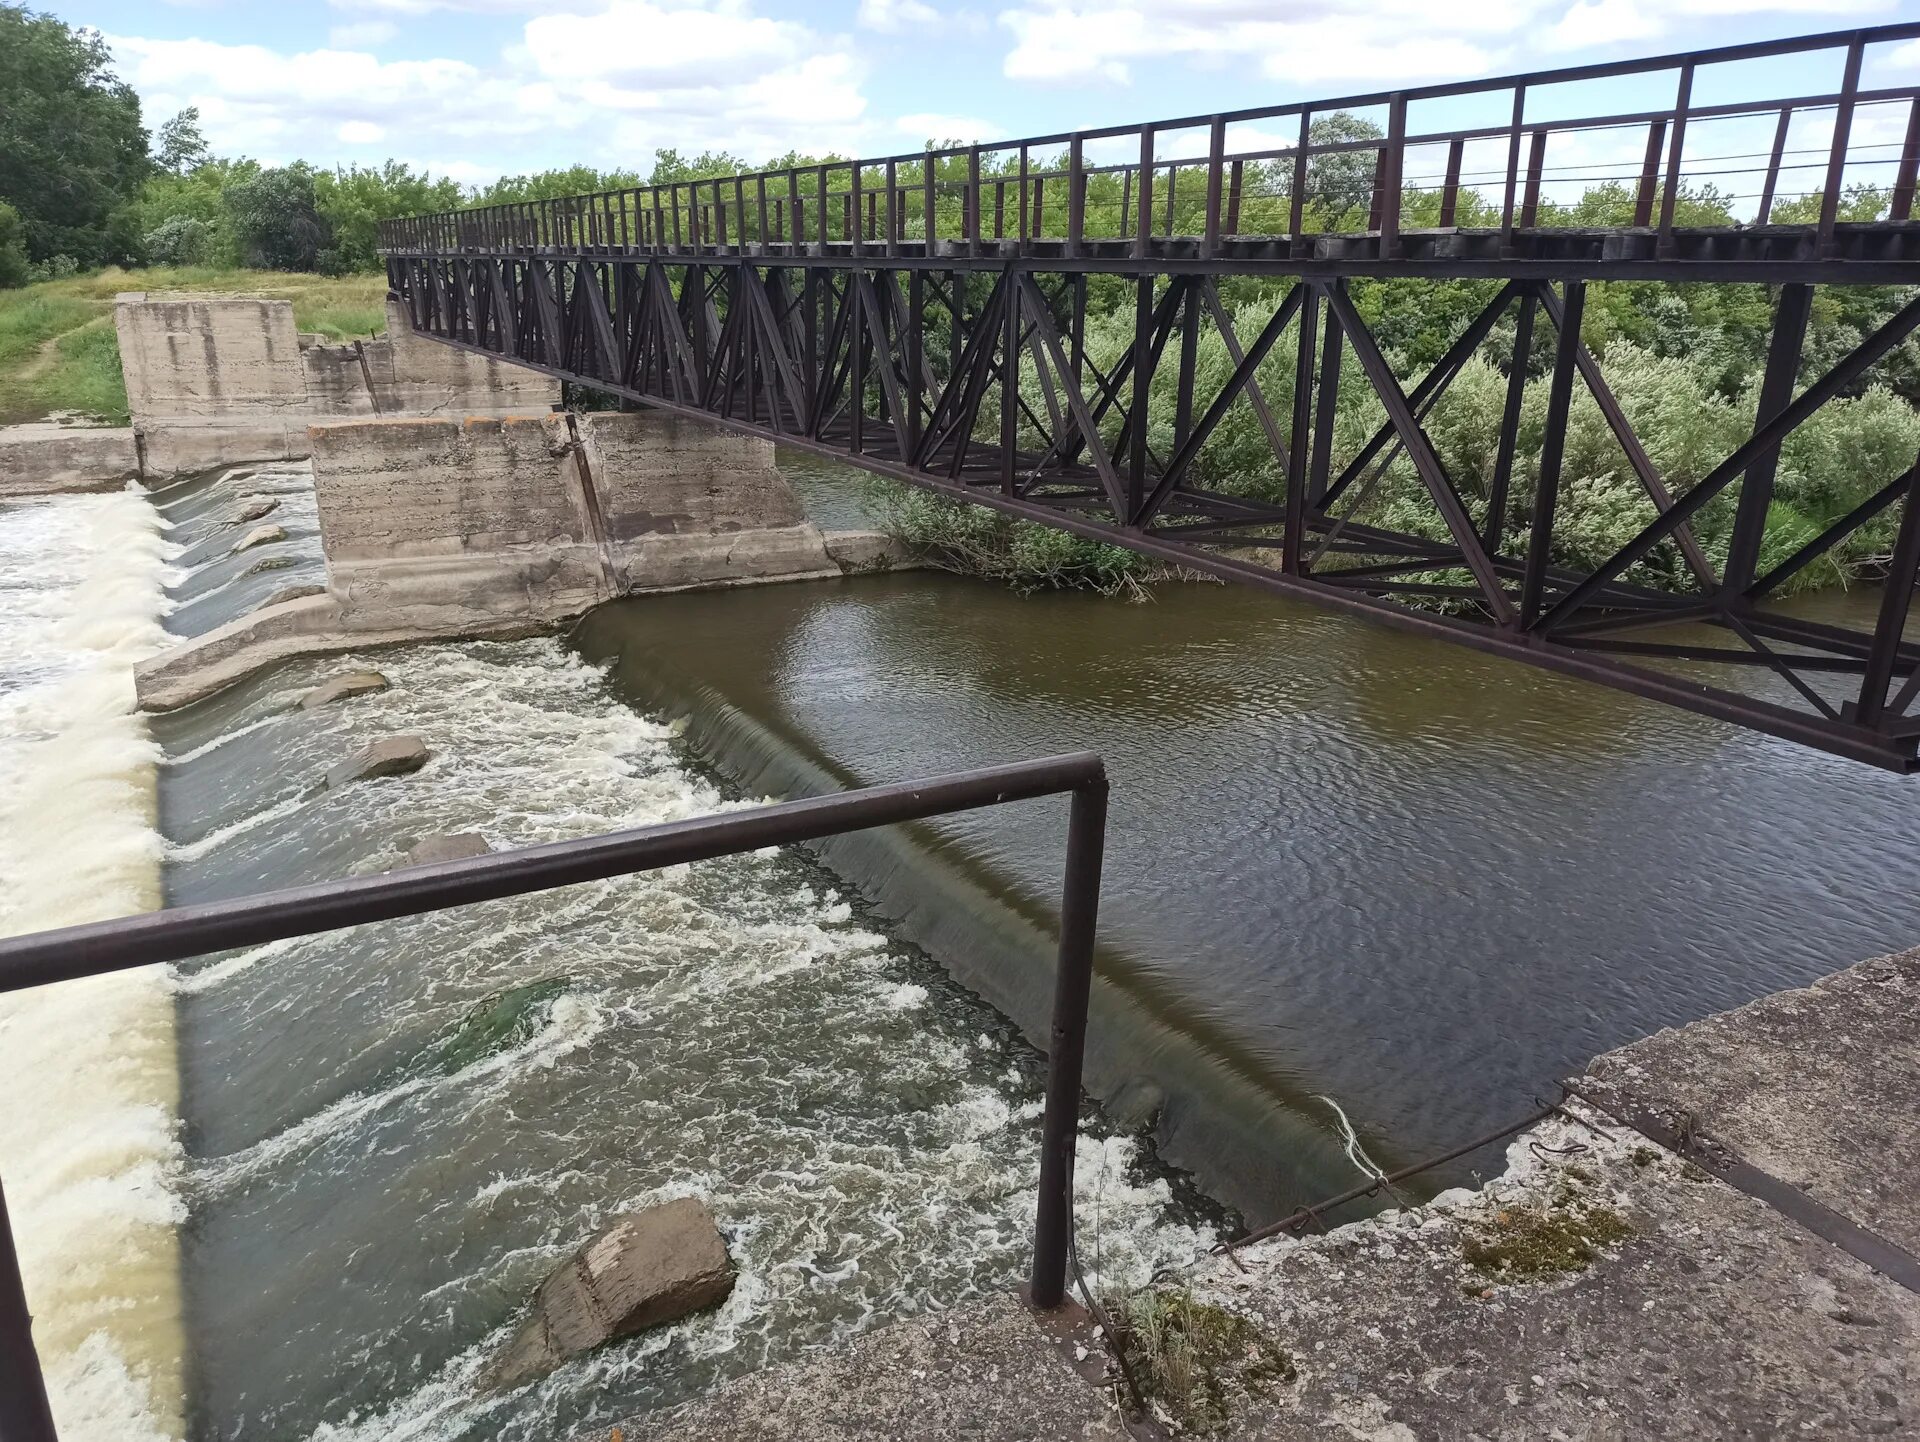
x=926, y=317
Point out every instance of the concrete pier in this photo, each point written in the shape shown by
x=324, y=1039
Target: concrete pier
x=503, y=525
x=1603, y=1286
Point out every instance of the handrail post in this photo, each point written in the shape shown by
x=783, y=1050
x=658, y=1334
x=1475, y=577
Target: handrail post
x=1216, y=156
x=1144, y=231
x=25, y=1414
x=1297, y=208
x=1066, y=1052
x=1396, y=155
x=1774, y=159
x=893, y=208
x=1842, y=134
x=1903, y=181
x=929, y=205
x=1513, y=169
x=1077, y=194
x=1676, y=149
x=971, y=200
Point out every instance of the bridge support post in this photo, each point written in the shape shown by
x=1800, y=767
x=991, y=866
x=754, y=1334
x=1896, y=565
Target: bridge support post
x=1790, y=314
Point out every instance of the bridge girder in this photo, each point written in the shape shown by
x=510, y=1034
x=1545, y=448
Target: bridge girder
x=903, y=371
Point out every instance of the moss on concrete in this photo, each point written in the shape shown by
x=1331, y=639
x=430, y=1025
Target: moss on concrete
x=1528, y=1242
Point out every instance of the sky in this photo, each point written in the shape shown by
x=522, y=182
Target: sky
x=478, y=88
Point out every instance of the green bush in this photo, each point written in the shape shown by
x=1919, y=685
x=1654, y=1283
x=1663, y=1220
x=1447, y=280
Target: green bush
x=976, y=541
x=276, y=222
x=183, y=240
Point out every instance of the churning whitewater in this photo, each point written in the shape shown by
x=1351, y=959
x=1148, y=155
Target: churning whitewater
x=89, y=1153
x=397, y=1131
x=304, y=1190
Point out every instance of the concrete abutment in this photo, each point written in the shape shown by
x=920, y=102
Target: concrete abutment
x=454, y=497
x=435, y=527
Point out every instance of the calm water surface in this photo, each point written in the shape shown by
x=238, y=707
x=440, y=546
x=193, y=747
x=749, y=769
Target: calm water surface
x=1422, y=881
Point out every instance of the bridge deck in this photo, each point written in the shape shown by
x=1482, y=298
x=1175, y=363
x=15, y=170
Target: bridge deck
x=926, y=317
x=1874, y=252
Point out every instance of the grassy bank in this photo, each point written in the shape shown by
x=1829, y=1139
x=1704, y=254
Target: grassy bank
x=57, y=347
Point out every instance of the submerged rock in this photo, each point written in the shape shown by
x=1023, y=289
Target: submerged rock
x=354, y=683
x=498, y=1023
x=646, y=1268
x=291, y=593
x=393, y=756
x=254, y=510
x=258, y=536
x=448, y=846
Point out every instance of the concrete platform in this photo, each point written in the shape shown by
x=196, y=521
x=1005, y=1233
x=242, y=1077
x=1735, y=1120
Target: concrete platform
x=1602, y=1287
x=45, y=457
x=984, y=1373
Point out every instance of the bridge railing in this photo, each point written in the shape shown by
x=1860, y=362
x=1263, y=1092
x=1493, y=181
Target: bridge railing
x=1199, y=183
x=130, y=942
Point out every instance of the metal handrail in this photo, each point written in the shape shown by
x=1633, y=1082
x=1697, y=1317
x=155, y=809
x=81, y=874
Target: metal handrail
x=130, y=942
x=866, y=203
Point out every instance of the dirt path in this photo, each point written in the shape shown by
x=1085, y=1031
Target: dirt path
x=49, y=350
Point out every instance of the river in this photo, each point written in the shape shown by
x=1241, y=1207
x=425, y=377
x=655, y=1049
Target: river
x=1350, y=874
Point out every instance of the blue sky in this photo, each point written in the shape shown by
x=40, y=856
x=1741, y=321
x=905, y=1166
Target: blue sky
x=475, y=88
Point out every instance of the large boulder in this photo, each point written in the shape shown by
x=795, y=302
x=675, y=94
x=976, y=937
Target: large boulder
x=354, y=683
x=258, y=536
x=448, y=846
x=647, y=1268
x=394, y=756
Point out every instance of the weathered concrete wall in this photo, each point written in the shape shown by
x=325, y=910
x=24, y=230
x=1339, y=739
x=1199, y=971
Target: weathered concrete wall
x=433, y=522
x=501, y=525
x=45, y=457
x=216, y=380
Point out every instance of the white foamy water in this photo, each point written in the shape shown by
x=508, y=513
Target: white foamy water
x=376, y=1188
x=88, y=1145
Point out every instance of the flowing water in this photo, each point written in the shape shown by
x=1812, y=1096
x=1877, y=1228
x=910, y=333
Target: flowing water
x=88, y=1150
x=387, y=1136
x=1349, y=873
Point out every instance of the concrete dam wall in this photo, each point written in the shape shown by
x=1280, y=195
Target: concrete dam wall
x=217, y=380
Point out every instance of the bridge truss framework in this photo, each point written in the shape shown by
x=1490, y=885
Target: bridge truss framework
x=960, y=363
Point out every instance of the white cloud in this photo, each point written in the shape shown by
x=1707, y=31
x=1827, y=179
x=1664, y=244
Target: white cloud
x=893, y=16
x=606, y=89
x=644, y=43
x=929, y=125
x=1603, y=22
x=1321, y=40
x=1342, y=44
x=278, y=107
x=361, y=35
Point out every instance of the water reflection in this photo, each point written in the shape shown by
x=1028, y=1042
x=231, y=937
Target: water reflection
x=1426, y=880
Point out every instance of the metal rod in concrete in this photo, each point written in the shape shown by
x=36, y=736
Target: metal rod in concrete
x=1067, y=1045
x=25, y=1415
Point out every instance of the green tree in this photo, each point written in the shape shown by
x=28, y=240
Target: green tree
x=554, y=184
x=181, y=146
x=14, y=265
x=72, y=150
x=276, y=222
x=353, y=200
